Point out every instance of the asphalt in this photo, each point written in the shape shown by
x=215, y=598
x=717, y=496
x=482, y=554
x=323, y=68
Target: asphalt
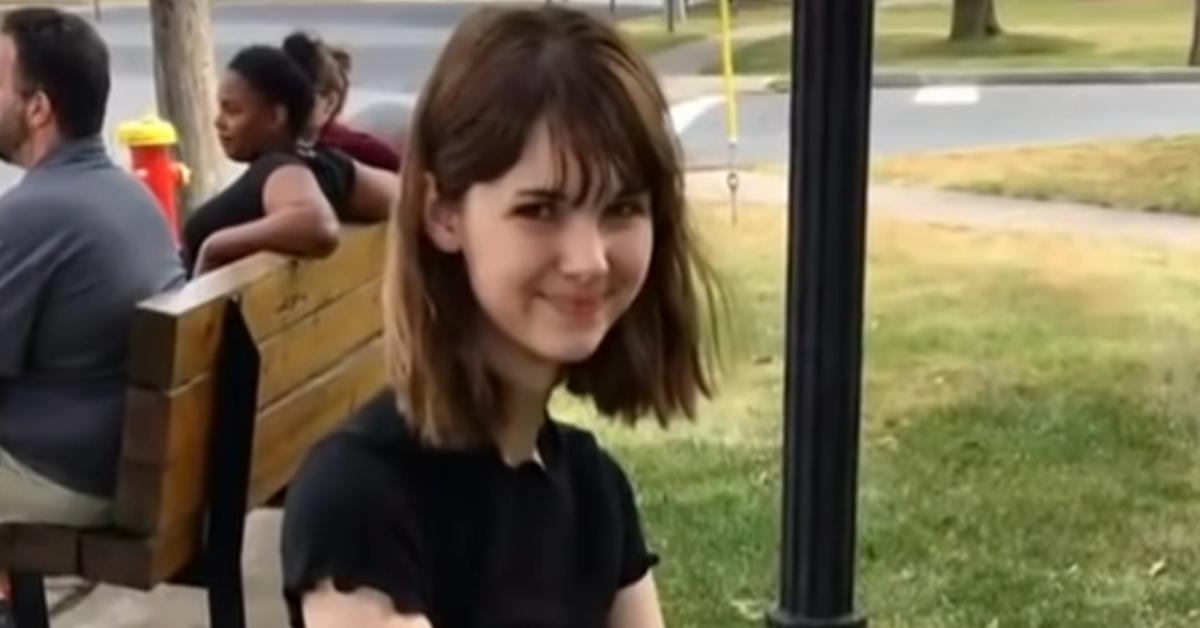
x=960, y=117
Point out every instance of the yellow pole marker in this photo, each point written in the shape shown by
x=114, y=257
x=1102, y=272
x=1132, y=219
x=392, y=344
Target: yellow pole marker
x=731, y=112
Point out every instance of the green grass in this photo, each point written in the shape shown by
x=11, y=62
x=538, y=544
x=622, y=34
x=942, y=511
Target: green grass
x=1040, y=34
x=1157, y=174
x=653, y=40
x=649, y=33
x=1030, y=447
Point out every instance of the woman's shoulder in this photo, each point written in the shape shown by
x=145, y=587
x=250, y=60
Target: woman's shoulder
x=365, y=454
x=589, y=459
x=265, y=164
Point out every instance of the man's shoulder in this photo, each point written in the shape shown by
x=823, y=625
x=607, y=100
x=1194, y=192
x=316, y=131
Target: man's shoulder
x=51, y=194
x=25, y=208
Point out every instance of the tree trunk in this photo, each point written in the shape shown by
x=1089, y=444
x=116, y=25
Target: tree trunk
x=993, y=21
x=974, y=20
x=1194, y=55
x=185, y=79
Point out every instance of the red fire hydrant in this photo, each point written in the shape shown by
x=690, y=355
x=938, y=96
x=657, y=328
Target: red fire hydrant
x=150, y=140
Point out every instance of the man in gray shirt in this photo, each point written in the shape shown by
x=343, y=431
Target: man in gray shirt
x=81, y=243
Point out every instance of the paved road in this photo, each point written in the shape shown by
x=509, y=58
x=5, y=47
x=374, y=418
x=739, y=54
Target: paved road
x=939, y=119
x=395, y=46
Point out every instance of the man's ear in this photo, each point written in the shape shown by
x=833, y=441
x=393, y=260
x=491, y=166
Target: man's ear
x=443, y=222
x=39, y=110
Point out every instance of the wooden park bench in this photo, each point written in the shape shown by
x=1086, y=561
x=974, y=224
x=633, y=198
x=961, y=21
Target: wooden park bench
x=231, y=380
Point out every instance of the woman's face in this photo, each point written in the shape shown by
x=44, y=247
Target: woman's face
x=325, y=109
x=551, y=277
x=247, y=125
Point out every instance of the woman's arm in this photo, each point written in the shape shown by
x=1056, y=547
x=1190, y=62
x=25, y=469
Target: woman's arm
x=326, y=607
x=374, y=194
x=637, y=606
x=298, y=221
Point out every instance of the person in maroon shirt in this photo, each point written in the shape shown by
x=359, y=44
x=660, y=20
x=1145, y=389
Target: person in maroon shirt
x=329, y=67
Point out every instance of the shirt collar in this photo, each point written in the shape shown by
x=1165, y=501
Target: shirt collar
x=80, y=150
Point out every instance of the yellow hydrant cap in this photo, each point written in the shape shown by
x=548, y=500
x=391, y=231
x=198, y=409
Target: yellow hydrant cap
x=149, y=130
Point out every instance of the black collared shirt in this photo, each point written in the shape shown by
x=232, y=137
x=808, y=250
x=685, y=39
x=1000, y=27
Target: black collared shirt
x=460, y=536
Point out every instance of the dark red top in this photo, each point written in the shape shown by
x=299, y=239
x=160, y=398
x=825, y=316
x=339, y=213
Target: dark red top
x=360, y=146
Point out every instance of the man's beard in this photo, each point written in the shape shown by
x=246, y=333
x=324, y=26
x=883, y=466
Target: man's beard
x=13, y=134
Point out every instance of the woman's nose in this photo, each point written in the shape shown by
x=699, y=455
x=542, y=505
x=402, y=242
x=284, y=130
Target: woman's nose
x=583, y=252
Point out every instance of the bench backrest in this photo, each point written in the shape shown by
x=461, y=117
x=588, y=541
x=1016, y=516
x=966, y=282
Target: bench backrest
x=317, y=326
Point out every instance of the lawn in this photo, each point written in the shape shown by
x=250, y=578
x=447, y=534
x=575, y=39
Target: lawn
x=1039, y=34
x=649, y=33
x=1157, y=174
x=1031, y=450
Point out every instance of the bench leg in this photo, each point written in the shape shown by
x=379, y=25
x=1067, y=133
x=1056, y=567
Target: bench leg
x=226, y=604
x=229, y=468
x=29, y=600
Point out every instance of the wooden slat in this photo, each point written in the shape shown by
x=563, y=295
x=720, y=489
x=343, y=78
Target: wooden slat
x=287, y=431
x=152, y=497
x=307, y=348
x=45, y=549
x=160, y=426
x=138, y=563
x=177, y=334
x=153, y=435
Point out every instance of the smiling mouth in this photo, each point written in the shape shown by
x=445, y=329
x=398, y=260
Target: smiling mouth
x=580, y=310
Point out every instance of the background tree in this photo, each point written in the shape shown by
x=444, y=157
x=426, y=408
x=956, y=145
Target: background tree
x=186, y=82
x=1194, y=55
x=975, y=20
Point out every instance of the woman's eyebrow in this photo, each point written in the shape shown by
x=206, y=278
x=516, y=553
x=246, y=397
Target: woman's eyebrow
x=543, y=194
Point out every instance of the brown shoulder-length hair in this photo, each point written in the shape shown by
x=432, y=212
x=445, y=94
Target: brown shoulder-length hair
x=503, y=71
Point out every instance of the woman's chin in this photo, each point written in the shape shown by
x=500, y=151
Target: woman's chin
x=568, y=351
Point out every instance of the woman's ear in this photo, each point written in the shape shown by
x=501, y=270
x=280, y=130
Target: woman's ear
x=443, y=222
x=280, y=119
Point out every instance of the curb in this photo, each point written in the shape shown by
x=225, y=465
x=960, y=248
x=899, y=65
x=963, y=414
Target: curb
x=899, y=79
x=896, y=79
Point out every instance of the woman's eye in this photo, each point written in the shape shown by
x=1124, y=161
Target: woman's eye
x=536, y=211
x=626, y=209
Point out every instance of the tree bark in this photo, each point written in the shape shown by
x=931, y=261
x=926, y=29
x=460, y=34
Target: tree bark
x=1194, y=55
x=974, y=20
x=186, y=86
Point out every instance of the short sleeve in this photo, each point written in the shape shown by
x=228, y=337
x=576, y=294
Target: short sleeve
x=347, y=520
x=636, y=558
x=30, y=251
x=336, y=175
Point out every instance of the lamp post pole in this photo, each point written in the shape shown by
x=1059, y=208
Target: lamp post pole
x=831, y=91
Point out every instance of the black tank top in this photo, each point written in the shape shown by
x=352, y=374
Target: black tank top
x=242, y=201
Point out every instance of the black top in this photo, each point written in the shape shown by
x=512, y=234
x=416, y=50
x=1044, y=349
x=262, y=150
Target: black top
x=459, y=536
x=242, y=202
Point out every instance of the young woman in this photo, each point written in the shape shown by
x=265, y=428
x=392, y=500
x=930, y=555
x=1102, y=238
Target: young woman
x=541, y=241
x=291, y=195
x=329, y=69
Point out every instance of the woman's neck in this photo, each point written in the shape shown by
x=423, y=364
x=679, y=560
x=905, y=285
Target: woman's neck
x=280, y=145
x=527, y=382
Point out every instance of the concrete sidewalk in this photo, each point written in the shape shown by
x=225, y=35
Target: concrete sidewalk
x=178, y=607
x=972, y=211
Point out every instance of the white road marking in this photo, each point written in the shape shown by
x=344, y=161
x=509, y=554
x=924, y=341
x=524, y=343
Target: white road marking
x=947, y=95
x=685, y=114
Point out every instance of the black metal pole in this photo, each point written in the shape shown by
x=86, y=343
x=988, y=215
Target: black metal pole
x=831, y=52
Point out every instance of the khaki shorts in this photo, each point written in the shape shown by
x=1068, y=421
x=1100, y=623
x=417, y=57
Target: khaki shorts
x=26, y=497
